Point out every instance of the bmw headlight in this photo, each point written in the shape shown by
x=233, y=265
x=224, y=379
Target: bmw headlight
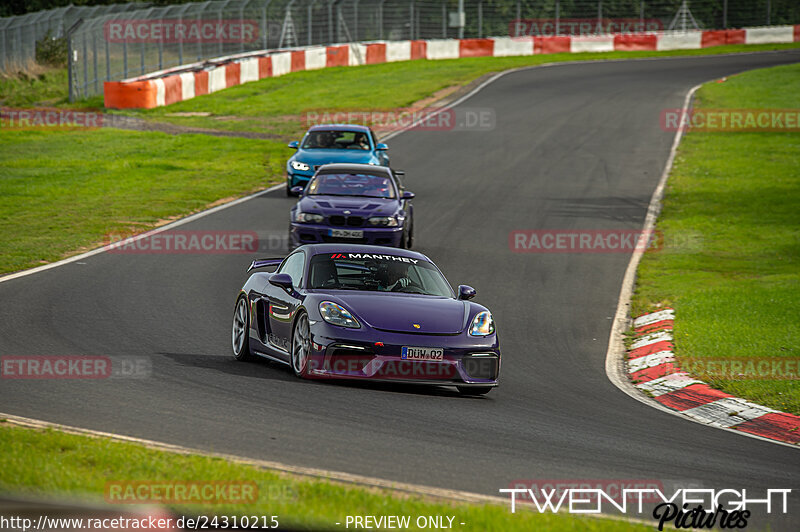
x=297, y=165
x=482, y=324
x=308, y=217
x=337, y=315
x=383, y=221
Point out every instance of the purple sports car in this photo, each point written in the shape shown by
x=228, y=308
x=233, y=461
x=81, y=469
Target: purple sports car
x=366, y=312
x=353, y=203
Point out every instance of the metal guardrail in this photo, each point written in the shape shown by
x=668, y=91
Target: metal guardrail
x=126, y=40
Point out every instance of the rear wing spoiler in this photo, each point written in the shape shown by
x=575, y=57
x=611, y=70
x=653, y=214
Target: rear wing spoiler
x=264, y=263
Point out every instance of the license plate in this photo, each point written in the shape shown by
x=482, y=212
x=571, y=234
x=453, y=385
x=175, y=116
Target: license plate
x=422, y=353
x=346, y=233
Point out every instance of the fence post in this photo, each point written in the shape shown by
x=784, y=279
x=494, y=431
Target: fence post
x=599, y=28
x=94, y=60
x=71, y=59
x=558, y=18
x=725, y=14
x=380, y=18
x=444, y=20
x=480, y=19
x=411, y=21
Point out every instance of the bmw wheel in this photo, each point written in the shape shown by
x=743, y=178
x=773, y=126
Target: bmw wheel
x=240, y=332
x=301, y=346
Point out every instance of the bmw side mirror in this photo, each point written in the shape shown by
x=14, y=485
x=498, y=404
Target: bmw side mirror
x=408, y=194
x=281, y=280
x=294, y=144
x=381, y=146
x=465, y=292
x=297, y=191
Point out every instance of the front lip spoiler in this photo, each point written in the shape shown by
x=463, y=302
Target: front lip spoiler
x=317, y=374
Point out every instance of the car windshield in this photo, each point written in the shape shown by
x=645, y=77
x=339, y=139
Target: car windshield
x=336, y=140
x=371, y=186
x=377, y=273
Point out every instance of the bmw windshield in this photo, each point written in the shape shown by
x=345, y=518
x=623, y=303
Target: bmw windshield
x=336, y=140
x=366, y=185
x=377, y=273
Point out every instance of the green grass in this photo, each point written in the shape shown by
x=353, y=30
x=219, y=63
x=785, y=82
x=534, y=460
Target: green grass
x=75, y=466
x=63, y=190
x=736, y=290
x=275, y=104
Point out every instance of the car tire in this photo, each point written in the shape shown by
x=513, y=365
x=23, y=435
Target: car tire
x=240, y=331
x=410, y=236
x=301, y=346
x=474, y=390
x=289, y=193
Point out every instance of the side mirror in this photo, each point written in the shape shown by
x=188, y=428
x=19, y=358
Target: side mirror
x=408, y=194
x=465, y=292
x=281, y=280
x=294, y=144
x=399, y=172
x=297, y=191
x=381, y=146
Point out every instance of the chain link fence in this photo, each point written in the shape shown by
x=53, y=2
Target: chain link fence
x=127, y=40
x=21, y=35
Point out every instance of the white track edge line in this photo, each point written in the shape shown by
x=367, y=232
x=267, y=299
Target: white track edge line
x=615, y=355
x=463, y=497
x=460, y=100
x=176, y=223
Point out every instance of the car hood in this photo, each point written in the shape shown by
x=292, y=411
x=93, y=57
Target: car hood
x=400, y=312
x=317, y=157
x=357, y=205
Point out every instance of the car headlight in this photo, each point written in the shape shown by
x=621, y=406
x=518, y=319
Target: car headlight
x=308, y=217
x=482, y=324
x=297, y=165
x=337, y=315
x=384, y=221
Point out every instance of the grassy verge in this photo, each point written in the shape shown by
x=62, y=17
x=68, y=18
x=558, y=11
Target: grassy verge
x=63, y=190
x=80, y=467
x=735, y=290
x=276, y=104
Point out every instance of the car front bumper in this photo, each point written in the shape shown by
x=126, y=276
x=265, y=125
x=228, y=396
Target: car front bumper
x=340, y=353
x=295, y=178
x=300, y=234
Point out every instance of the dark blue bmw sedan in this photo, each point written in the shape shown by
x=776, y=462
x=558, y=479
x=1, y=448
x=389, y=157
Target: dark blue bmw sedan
x=355, y=203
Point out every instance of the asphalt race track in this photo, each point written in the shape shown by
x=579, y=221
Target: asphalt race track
x=576, y=146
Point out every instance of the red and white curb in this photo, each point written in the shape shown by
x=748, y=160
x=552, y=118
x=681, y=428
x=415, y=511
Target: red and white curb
x=654, y=370
x=184, y=82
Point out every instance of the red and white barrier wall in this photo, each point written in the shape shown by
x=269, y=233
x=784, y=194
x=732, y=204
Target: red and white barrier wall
x=654, y=369
x=183, y=83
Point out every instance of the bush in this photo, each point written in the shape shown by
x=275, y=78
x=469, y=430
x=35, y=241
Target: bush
x=51, y=51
